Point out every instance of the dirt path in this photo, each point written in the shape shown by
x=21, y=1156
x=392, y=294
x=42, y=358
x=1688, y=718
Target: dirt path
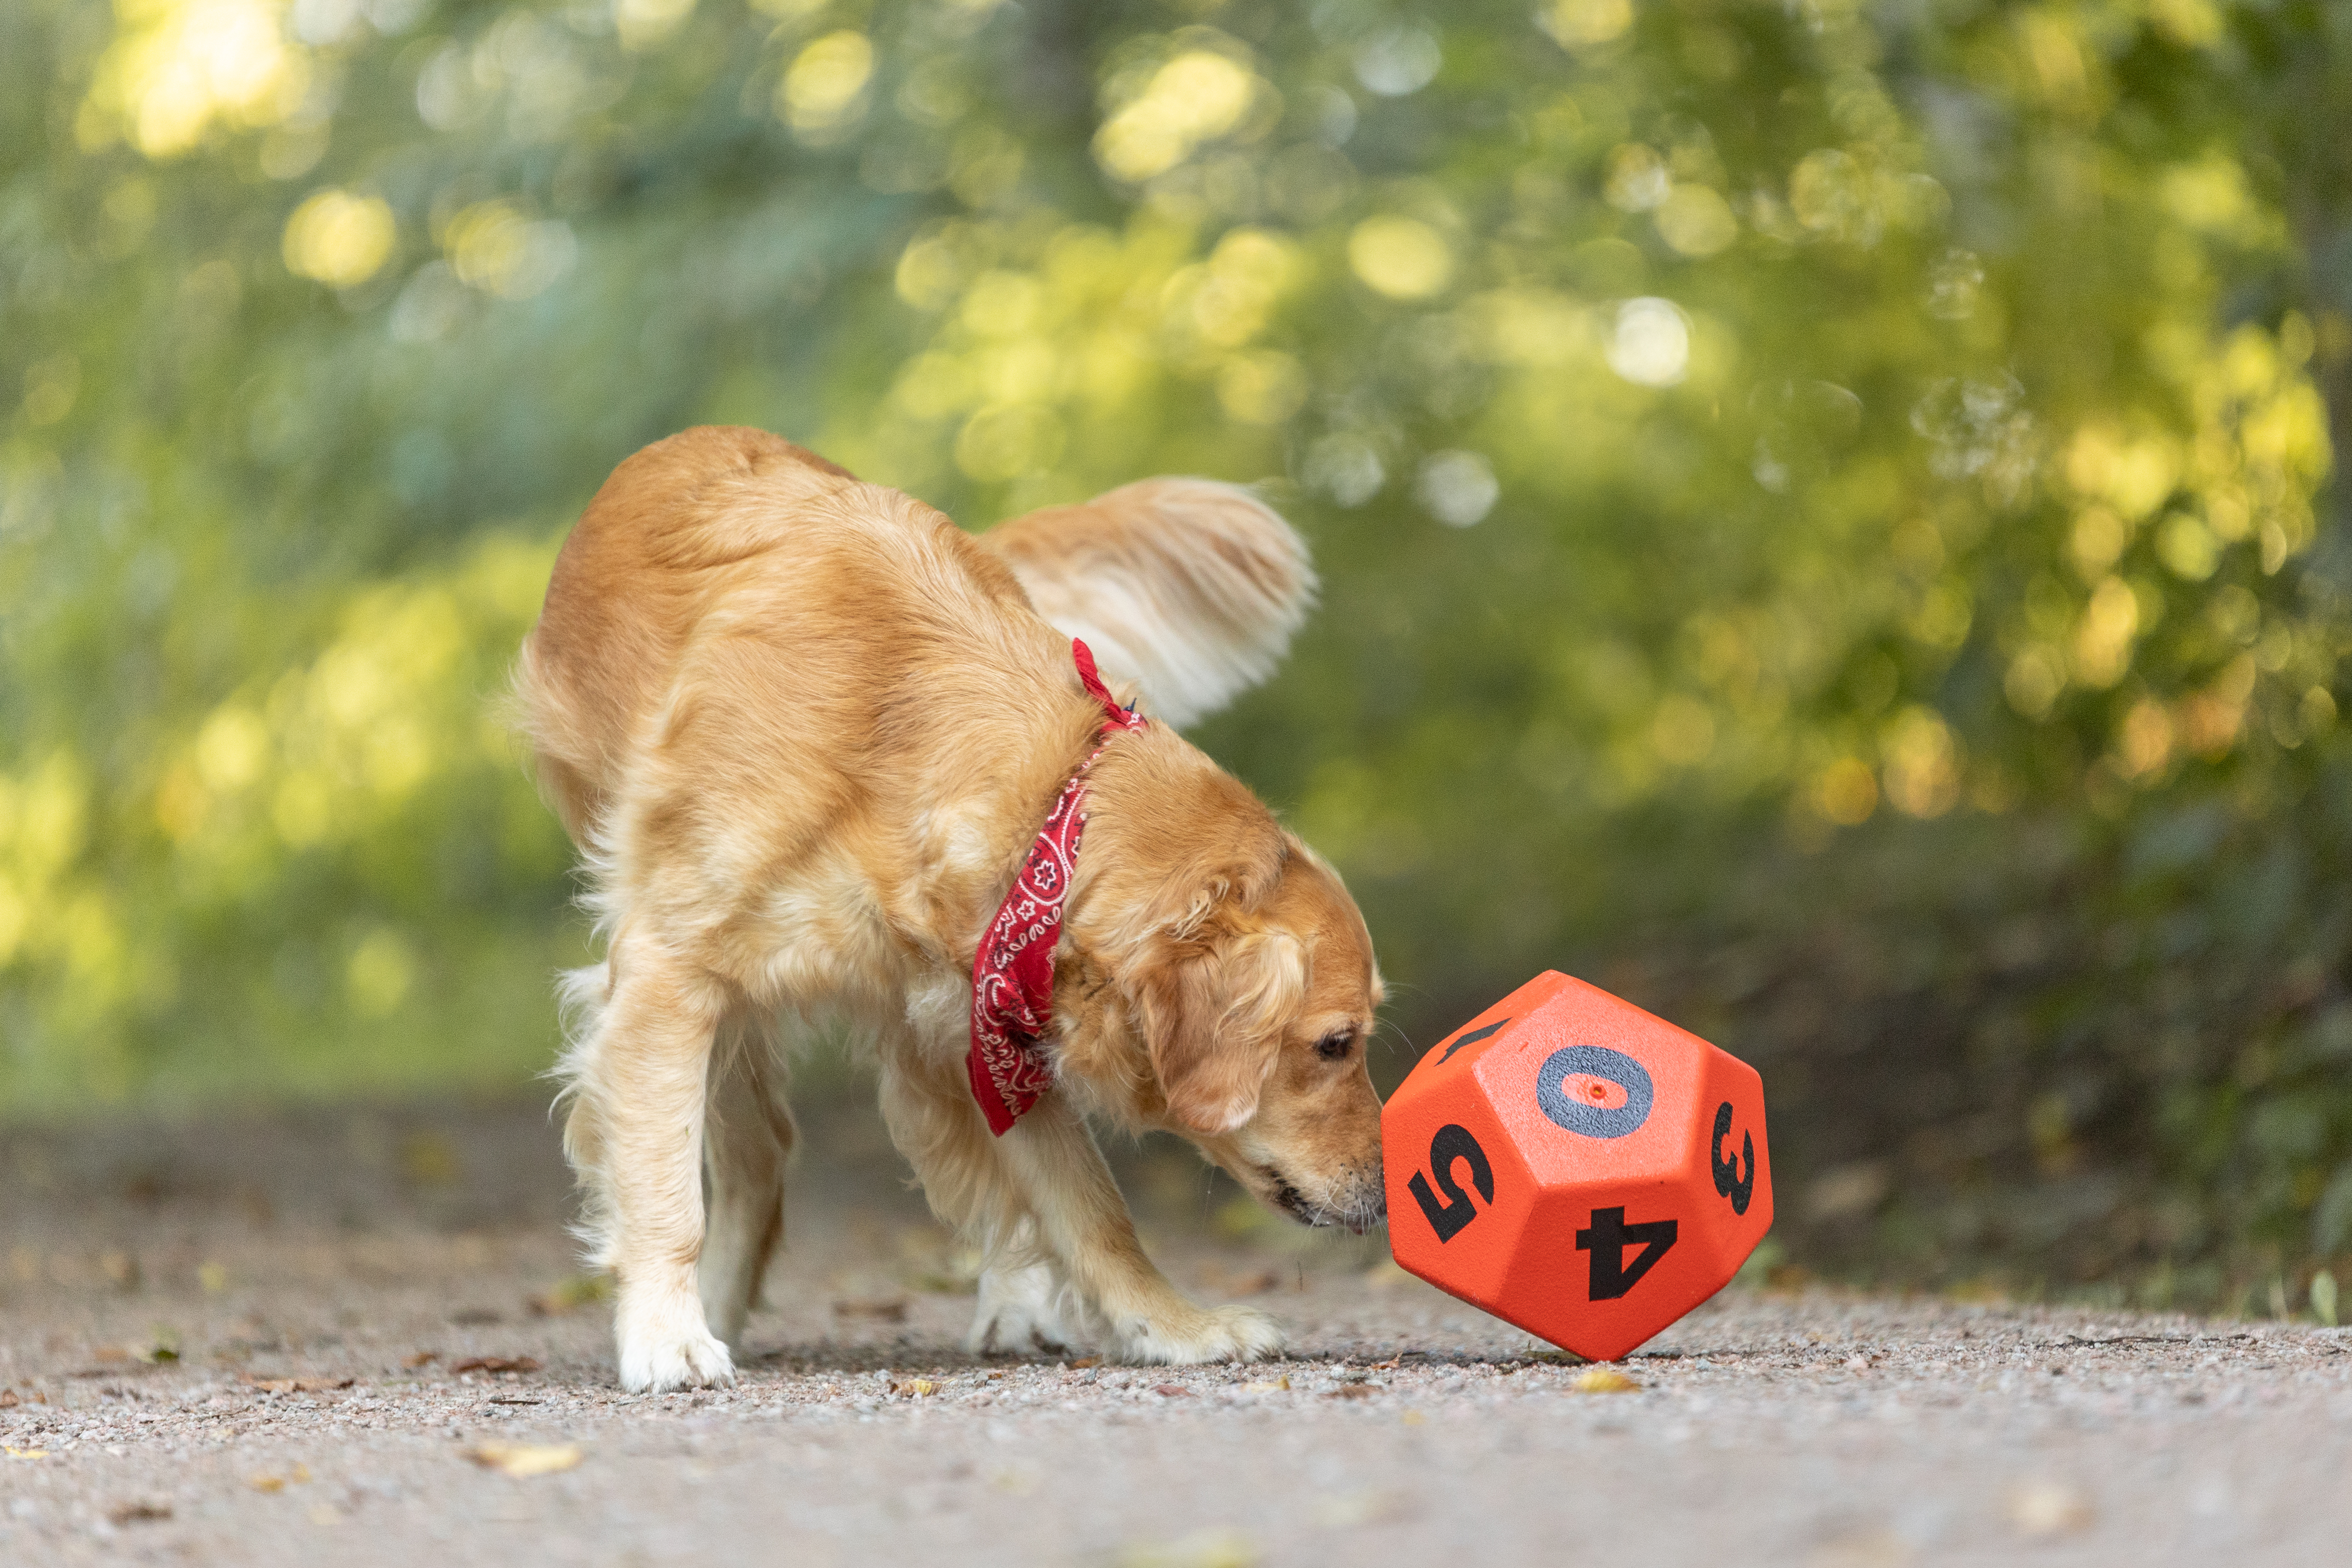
x=303, y=1271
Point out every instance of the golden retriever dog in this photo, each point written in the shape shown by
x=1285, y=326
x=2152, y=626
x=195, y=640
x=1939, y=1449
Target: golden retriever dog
x=804, y=732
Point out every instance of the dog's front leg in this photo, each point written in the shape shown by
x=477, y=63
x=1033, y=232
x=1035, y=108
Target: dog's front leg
x=639, y=1083
x=1084, y=1222
x=1043, y=1199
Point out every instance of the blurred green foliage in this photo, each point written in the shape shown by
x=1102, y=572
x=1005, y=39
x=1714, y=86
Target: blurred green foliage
x=1824, y=508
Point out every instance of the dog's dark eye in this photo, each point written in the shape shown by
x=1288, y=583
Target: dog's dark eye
x=1335, y=1046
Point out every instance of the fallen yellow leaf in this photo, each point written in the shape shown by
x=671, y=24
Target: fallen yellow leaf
x=568, y=1295
x=24, y=1453
x=1201, y=1549
x=266, y=1483
x=1345, y=1510
x=2048, y=1508
x=1604, y=1380
x=296, y=1384
x=525, y=1458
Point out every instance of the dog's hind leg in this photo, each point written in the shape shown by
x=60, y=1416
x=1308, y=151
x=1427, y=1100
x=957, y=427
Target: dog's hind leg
x=747, y=1143
x=637, y=1087
x=1024, y=1299
x=933, y=1121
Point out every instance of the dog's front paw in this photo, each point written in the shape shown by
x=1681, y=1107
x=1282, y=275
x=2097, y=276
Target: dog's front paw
x=1219, y=1334
x=1019, y=1314
x=659, y=1357
x=700, y=1361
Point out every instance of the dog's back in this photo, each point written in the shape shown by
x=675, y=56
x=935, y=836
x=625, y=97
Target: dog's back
x=1188, y=588
x=630, y=584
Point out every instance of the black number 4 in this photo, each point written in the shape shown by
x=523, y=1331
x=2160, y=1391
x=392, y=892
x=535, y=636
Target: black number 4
x=1447, y=1218
x=1606, y=1241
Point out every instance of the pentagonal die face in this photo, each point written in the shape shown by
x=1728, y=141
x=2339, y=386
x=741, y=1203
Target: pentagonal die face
x=1576, y=1167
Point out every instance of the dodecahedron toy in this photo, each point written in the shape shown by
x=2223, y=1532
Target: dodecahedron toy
x=1577, y=1167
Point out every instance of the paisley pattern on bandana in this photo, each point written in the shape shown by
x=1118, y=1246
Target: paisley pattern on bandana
x=1013, y=973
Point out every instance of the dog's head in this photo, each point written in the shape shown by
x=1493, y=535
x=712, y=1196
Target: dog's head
x=1240, y=989
x=1257, y=1021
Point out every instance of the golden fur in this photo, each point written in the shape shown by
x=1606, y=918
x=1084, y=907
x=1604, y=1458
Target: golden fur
x=1188, y=586
x=804, y=730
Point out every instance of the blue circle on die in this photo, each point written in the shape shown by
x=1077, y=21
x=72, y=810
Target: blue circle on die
x=1594, y=1120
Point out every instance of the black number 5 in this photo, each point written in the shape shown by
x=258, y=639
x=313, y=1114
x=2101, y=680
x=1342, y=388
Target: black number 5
x=1447, y=1218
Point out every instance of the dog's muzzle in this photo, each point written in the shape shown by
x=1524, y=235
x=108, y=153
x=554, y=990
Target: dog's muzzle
x=1361, y=1204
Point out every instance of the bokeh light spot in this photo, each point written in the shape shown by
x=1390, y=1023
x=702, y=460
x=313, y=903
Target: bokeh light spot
x=339, y=238
x=1194, y=99
x=1649, y=342
x=824, y=89
x=1458, y=487
x=1401, y=257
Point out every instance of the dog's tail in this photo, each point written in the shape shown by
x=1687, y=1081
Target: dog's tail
x=1189, y=587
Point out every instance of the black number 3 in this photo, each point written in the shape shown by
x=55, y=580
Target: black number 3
x=1729, y=1182
x=1447, y=1218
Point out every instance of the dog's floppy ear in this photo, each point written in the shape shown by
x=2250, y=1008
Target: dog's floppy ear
x=1213, y=1011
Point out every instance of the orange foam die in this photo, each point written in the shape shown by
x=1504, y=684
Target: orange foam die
x=1577, y=1167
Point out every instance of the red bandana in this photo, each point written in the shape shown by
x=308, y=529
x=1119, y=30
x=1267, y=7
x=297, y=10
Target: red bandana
x=1013, y=973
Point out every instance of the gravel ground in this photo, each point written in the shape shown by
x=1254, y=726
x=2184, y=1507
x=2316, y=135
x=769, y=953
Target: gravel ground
x=333, y=1337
